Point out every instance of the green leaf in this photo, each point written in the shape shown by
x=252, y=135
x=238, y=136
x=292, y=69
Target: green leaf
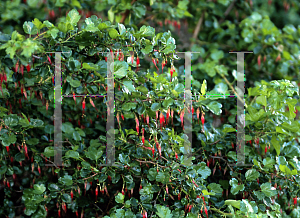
x=67, y=128
x=75, y=83
x=72, y=154
x=142, y=89
x=147, y=49
x=39, y=189
x=155, y=106
x=152, y=173
x=235, y=188
x=111, y=15
x=275, y=144
x=215, y=107
x=120, y=198
x=228, y=128
x=94, y=153
x=113, y=33
x=66, y=198
x=203, y=87
x=26, y=120
x=73, y=17
x=179, y=88
x=162, y=177
x=53, y=32
x=19, y=157
x=215, y=187
x=216, y=54
x=268, y=190
x=122, y=29
x=147, y=31
x=233, y=203
x=48, y=24
x=33, y=3
x=129, y=86
x=251, y=174
x=3, y=169
x=262, y=100
x=90, y=25
x=66, y=180
x=39, y=25
x=32, y=141
x=204, y=171
x=89, y=66
x=104, y=25
x=167, y=102
x=163, y=212
x=139, y=9
x=120, y=69
x=49, y=151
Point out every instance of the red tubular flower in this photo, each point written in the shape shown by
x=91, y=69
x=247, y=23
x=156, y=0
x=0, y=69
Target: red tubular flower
x=143, y=140
x=147, y=119
x=22, y=69
x=7, y=149
x=161, y=119
x=202, y=120
x=179, y=197
x=176, y=156
x=295, y=200
x=198, y=112
x=17, y=66
x=122, y=116
x=171, y=72
x=137, y=61
x=83, y=105
x=153, y=60
x=278, y=58
x=205, y=210
x=266, y=149
x=158, y=148
x=49, y=59
x=25, y=148
x=181, y=117
x=168, y=115
x=259, y=60
x=74, y=97
x=153, y=150
x=92, y=103
x=163, y=65
x=28, y=68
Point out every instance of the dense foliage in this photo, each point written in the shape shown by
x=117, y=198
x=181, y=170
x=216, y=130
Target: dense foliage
x=153, y=179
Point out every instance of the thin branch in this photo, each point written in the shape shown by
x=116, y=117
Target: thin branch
x=197, y=29
x=227, y=11
x=126, y=13
x=147, y=18
x=49, y=160
x=90, y=176
x=234, y=90
x=142, y=161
